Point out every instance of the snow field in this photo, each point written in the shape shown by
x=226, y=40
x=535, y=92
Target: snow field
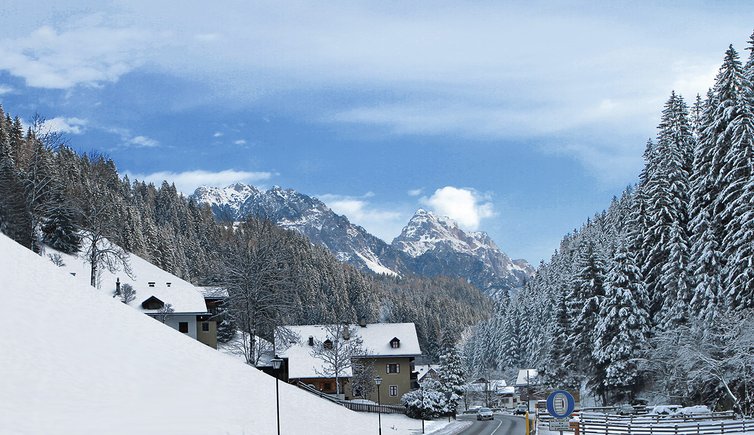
x=76, y=361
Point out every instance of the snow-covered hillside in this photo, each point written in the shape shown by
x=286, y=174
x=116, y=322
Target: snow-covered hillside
x=76, y=361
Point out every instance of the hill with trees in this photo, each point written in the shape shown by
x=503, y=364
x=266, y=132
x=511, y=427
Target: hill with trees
x=655, y=295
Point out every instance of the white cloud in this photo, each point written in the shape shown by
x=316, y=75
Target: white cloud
x=496, y=70
x=48, y=58
x=218, y=134
x=65, y=125
x=465, y=206
x=240, y=142
x=188, y=181
x=415, y=192
x=385, y=223
x=142, y=142
x=5, y=89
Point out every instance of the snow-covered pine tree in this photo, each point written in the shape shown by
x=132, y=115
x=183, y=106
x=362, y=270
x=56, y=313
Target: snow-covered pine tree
x=622, y=329
x=451, y=375
x=584, y=299
x=666, y=189
x=705, y=301
x=557, y=371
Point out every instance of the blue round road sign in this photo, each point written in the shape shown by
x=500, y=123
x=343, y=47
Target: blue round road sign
x=560, y=404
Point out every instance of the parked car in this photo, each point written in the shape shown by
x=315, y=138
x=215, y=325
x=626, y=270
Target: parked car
x=696, y=410
x=484, y=414
x=521, y=410
x=665, y=409
x=624, y=409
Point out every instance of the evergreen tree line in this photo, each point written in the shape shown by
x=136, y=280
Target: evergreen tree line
x=655, y=295
x=52, y=196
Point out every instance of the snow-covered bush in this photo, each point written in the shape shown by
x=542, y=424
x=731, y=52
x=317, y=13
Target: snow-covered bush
x=427, y=402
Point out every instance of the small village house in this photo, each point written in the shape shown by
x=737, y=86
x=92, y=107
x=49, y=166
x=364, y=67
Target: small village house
x=389, y=348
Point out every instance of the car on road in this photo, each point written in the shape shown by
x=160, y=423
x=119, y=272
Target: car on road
x=521, y=410
x=484, y=414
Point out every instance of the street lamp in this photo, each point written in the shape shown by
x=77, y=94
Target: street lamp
x=378, y=381
x=276, y=364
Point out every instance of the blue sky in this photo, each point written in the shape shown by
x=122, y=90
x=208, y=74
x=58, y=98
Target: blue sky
x=520, y=119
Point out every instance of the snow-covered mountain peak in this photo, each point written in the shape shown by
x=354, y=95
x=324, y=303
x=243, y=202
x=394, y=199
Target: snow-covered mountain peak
x=438, y=246
x=427, y=231
x=429, y=244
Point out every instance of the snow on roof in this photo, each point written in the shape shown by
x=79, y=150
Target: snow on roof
x=424, y=369
x=214, y=292
x=116, y=371
x=148, y=280
x=376, y=338
x=523, y=379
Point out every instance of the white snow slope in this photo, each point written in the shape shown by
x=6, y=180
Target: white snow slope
x=73, y=360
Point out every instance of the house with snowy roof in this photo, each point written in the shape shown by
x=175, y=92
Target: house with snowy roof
x=388, y=348
x=427, y=371
x=157, y=293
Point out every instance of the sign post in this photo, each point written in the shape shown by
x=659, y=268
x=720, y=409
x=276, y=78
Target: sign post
x=560, y=405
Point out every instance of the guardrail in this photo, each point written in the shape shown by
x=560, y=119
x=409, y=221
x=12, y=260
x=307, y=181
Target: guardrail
x=354, y=406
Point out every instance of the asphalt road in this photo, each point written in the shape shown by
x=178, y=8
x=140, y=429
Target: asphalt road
x=500, y=425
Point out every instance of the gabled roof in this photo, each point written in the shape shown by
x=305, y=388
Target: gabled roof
x=376, y=339
x=527, y=377
x=183, y=296
x=424, y=370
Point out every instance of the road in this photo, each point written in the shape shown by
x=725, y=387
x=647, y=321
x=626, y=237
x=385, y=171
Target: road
x=501, y=425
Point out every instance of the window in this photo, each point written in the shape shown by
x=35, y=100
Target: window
x=205, y=326
x=395, y=343
x=393, y=389
x=183, y=327
x=327, y=344
x=168, y=284
x=326, y=386
x=151, y=284
x=393, y=368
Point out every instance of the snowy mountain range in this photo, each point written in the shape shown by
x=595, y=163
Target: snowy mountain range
x=429, y=245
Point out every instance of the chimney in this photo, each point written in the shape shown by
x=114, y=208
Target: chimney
x=346, y=332
x=363, y=322
x=117, y=286
x=311, y=340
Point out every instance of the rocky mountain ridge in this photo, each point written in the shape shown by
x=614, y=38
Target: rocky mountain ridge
x=429, y=245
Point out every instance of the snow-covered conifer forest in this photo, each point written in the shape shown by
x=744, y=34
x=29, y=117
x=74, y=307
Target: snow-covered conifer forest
x=653, y=297
x=48, y=193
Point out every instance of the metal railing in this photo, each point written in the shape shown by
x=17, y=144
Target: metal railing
x=710, y=424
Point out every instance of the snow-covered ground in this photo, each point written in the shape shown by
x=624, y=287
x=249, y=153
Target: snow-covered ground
x=73, y=360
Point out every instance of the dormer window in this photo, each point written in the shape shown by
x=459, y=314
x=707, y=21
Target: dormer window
x=168, y=284
x=327, y=344
x=395, y=343
x=150, y=283
x=152, y=303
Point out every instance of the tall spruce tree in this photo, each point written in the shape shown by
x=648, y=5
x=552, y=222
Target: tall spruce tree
x=622, y=329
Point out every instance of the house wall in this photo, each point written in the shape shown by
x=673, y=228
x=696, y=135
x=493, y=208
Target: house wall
x=174, y=319
x=401, y=380
x=207, y=337
x=327, y=385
